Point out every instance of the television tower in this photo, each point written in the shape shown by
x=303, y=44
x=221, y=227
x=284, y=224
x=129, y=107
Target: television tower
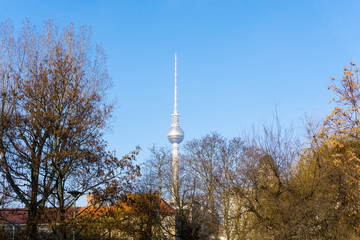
x=175, y=136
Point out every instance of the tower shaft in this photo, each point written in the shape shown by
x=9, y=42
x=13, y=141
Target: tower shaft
x=175, y=172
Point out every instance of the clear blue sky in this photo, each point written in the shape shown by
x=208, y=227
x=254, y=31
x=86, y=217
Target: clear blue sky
x=237, y=60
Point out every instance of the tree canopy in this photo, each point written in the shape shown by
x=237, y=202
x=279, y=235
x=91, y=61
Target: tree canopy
x=53, y=113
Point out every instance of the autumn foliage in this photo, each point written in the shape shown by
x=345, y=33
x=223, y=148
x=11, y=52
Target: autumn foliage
x=53, y=113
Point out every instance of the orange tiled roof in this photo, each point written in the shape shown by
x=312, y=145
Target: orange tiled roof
x=20, y=215
x=133, y=201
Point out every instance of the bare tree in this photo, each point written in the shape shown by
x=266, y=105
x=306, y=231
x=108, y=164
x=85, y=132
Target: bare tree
x=202, y=158
x=211, y=164
x=264, y=183
x=157, y=171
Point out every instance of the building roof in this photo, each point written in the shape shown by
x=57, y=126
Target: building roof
x=131, y=204
x=13, y=215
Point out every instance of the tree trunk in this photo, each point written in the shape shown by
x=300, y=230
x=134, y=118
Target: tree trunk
x=33, y=218
x=32, y=222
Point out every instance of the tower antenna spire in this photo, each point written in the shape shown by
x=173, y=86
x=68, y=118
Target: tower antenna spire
x=175, y=95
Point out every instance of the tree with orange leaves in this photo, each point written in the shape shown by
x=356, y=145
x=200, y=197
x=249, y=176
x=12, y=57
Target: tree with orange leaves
x=141, y=215
x=339, y=138
x=53, y=112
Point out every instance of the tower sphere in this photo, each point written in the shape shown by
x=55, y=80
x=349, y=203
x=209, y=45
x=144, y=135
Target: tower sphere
x=175, y=135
